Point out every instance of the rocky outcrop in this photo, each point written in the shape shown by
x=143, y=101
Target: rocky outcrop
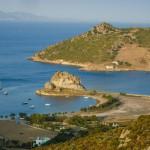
x=64, y=80
x=103, y=28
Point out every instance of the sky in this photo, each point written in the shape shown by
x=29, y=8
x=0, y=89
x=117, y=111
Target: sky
x=134, y=11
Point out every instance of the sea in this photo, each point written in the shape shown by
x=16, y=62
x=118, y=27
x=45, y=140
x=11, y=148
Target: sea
x=20, y=78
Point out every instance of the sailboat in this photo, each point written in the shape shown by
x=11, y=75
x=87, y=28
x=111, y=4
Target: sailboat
x=1, y=89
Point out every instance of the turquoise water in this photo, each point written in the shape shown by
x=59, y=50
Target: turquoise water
x=21, y=77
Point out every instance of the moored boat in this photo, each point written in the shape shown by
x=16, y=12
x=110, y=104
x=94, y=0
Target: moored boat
x=5, y=93
x=86, y=97
x=32, y=106
x=47, y=104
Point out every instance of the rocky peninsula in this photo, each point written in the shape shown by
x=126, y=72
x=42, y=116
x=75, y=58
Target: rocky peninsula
x=66, y=84
x=102, y=48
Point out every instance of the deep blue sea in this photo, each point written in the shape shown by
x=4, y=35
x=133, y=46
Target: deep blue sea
x=21, y=77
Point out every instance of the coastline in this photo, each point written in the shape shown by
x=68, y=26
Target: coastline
x=85, y=67
x=132, y=106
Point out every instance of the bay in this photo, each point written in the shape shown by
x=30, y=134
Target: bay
x=21, y=77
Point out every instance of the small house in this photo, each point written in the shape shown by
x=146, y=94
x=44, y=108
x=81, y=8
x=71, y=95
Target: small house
x=40, y=141
x=109, y=67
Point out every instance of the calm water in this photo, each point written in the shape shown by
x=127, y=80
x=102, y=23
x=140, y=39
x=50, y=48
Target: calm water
x=21, y=77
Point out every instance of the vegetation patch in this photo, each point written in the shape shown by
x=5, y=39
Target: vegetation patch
x=111, y=103
x=142, y=37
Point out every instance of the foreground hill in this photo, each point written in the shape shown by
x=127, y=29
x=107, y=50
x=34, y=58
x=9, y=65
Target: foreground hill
x=135, y=136
x=104, y=47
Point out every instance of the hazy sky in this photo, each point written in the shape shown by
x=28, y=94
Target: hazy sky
x=83, y=10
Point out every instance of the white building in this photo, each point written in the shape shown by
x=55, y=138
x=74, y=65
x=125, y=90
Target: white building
x=40, y=140
x=109, y=67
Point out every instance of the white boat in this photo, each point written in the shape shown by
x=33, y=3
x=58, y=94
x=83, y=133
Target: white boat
x=5, y=93
x=47, y=104
x=32, y=106
x=86, y=97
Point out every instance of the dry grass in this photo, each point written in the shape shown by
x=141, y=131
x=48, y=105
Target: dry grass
x=24, y=133
x=137, y=56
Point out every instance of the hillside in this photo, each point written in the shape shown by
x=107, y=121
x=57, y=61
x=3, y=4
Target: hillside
x=136, y=135
x=104, y=47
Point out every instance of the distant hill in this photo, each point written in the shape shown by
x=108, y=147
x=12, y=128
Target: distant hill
x=103, y=47
x=20, y=16
x=135, y=136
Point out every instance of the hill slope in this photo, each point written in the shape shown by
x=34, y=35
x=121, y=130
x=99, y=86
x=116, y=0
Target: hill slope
x=104, y=47
x=136, y=135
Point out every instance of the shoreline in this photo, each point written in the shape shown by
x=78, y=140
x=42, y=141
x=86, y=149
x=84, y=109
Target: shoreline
x=84, y=67
x=132, y=106
x=97, y=97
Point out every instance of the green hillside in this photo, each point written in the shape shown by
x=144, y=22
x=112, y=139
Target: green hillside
x=134, y=136
x=99, y=44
